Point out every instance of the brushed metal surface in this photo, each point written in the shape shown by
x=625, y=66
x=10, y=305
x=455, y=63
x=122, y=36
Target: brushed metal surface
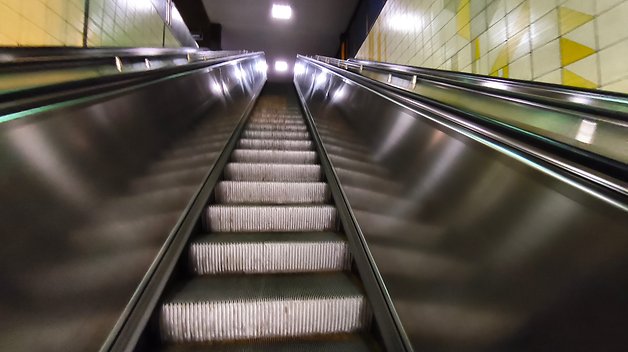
x=90, y=190
x=479, y=248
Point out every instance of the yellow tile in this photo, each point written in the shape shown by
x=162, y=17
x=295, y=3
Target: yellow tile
x=15, y=5
x=571, y=51
x=35, y=12
x=60, y=7
x=570, y=19
x=572, y=79
x=55, y=25
x=463, y=19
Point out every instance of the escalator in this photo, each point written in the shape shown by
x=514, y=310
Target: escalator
x=332, y=214
x=270, y=268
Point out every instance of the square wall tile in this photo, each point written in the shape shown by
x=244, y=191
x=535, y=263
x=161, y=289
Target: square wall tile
x=544, y=30
x=545, y=59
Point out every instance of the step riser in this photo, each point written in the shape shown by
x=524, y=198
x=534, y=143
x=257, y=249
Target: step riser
x=270, y=219
x=275, y=144
x=271, y=193
x=266, y=258
x=275, y=135
x=223, y=321
x=274, y=173
x=273, y=156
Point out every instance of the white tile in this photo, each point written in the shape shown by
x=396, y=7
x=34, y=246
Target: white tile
x=613, y=63
x=545, y=59
x=478, y=25
x=493, y=54
x=512, y=4
x=483, y=65
x=539, y=8
x=552, y=77
x=617, y=86
x=520, y=44
x=477, y=7
x=544, y=29
x=450, y=29
x=584, y=35
x=517, y=20
x=605, y=5
x=496, y=11
x=612, y=25
x=586, y=68
x=483, y=44
x=584, y=6
x=521, y=68
x=497, y=34
x=464, y=56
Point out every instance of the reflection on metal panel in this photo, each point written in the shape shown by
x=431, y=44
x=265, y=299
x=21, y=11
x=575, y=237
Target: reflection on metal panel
x=90, y=191
x=477, y=250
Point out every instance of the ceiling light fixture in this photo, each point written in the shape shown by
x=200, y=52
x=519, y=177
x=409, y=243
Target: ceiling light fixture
x=281, y=12
x=281, y=66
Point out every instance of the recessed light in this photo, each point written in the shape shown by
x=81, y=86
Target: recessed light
x=281, y=66
x=281, y=12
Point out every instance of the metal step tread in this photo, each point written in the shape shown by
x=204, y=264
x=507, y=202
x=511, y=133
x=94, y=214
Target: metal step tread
x=248, y=192
x=273, y=218
x=273, y=172
x=264, y=253
x=248, y=288
x=274, y=156
x=275, y=144
x=333, y=343
x=292, y=135
x=266, y=237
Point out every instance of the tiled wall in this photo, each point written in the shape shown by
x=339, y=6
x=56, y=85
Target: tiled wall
x=581, y=43
x=117, y=23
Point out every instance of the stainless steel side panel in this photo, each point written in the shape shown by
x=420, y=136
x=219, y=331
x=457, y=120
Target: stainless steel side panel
x=86, y=206
x=479, y=248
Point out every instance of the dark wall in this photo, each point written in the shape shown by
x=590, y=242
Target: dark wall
x=365, y=15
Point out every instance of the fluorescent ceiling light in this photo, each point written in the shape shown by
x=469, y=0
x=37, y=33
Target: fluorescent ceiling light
x=282, y=12
x=281, y=66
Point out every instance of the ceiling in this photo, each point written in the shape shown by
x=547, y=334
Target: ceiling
x=314, y=28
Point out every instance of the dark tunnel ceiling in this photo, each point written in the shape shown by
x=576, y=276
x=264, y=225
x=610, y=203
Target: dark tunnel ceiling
x=315, y=27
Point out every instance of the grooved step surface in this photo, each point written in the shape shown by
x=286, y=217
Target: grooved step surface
x=336, y=343
x=272, y=172
x=284, y=121
x=275, y=135
x=255, y=126
x=273, y=252
x=218, y=308
x=274, y=156
x=277, y=144
x=234, y=192
x=234, y=218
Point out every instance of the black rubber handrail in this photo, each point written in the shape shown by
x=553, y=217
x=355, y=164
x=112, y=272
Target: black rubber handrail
x=601, y=105
x=31, y=98
x=607, y=174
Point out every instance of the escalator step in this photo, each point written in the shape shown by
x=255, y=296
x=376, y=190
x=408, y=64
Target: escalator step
x=272, y=172
x=283, y=121
x=273, y=156
x=340, y=343
x=236, y=218
x=278, y=144
x=277, y=126
x=233, y=192
x=272, y=252
x=276, y=135
x=222, y=308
